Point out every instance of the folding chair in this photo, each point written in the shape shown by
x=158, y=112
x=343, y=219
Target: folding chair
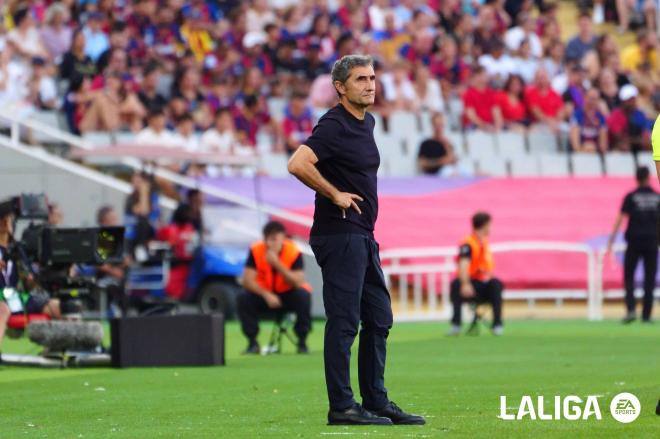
x=478, y=307
x=282, y=327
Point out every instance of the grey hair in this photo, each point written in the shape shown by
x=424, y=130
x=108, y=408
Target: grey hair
x=342, y=67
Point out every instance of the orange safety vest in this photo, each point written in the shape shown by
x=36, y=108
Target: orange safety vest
x=267, y=277
x=481, y=263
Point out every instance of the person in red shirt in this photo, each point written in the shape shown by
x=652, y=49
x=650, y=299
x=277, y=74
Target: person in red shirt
x=480, y=104
x=510, y=101
x=543, y=103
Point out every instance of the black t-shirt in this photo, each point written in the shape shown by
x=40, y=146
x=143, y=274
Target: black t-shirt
x=349, y=160
x=297, y=264
x=71, y=66
x=8, y=275
x=432, y=149
x=642, y=207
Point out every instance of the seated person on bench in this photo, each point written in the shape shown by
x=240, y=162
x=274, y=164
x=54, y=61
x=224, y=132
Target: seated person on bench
x=475, y=281
x=274, y=279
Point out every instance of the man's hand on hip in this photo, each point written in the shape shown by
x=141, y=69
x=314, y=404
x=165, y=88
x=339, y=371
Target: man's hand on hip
x=346, y=200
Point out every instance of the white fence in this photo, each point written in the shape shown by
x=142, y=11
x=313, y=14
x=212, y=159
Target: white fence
x=401, y=264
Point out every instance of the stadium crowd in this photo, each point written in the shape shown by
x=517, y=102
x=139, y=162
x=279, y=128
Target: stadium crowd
x=200, y=74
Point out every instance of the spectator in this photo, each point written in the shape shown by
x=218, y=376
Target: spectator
x=377, y=13
x=543, y=103
x=525, y=64
x=297, y=123
x=485, y=35
x=436, y=154
x=498, y=64
x=391, y=40
x=43, y=87
x=480, y=106
x=149, y=96
x=221, y=137
x=584, y=41
x=553, y=63
x=76, y=100
x=220, y=94
x=141, y=214
x=55, y=34
x=525, y=31
x=112, y=276
x=96, y=40
x=627, y=125
x=588, y=131
x=399, y=90
x=644, y=52
x=186, y=87
x=195, y=35
x=249, y=119
x=25, y=38
x=428, y=90
x=448, y=65
x=573, y=96
x=75, y=62
x=118, y=42
x=643, y=8
x=254, y=56
x=156, y=132
x=114, y=107
x=510, y=102
x=194, y=202
x=609, y=91
x=185, y=133
x=312, y=64
x=259, y=15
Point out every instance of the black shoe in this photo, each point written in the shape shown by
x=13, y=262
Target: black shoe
x=629, y=318
x=647, y=321
x=302, y=348
x=657, y=408
x=398, y=416
x=356, y=415
x=253, y=348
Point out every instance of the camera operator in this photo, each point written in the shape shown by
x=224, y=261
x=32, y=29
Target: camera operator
x=142, y=214
x=39, y=302
x=112, y=276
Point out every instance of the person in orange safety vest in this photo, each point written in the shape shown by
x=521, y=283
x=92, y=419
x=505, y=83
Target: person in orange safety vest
x=474, y=278
x=274, y=278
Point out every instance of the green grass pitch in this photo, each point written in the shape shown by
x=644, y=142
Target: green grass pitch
x=455, y=382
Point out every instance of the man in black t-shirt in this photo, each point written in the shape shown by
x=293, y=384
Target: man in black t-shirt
x=641, y=207
x=436, y=152
x=339, y=161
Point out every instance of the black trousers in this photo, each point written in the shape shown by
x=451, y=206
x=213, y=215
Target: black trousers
x=649, y=254
x=353, y=290
x=485, y=292
x=250, y=306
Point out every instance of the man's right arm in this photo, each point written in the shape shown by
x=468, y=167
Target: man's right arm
x=303, y=166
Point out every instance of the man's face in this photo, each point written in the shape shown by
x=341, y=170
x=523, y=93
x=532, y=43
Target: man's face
x=196, y=202
x=274, y=242
x=55, y=216
x=360, y=87
x=484, y=231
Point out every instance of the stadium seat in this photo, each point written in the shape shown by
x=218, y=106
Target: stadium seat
x=123, y=137
x=493, y=166
x=402, y=124
x=525, y=166
x=541, y=139
x=403, y=158
x=480, y=143
x=455, y=110
x=49, y=118
x=645, y=158
x=587, y=165
x=425, y=127
x=554, y=165
x=275, y=164
x=457, y=141
x=620, y=164
x=510, y=144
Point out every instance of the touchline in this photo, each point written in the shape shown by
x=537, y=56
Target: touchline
x=571, y=408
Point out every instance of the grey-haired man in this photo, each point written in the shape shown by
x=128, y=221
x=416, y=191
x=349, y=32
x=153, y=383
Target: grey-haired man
x=340, y=161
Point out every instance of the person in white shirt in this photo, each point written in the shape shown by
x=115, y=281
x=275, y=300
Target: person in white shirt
x=526, y=65
x=524, y=31
x=25, y=37
x=428, y=90
x=156, y=133
x=498, y=64
x=377, y=13
x=185, y=133
x=259, y=15
x=399, y=90
x=221, y=137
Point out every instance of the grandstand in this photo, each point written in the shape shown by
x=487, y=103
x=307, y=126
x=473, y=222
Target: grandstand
x=216, y=96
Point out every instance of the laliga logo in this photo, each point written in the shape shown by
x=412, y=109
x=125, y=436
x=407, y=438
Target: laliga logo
x=569, y=408
x=625, y=408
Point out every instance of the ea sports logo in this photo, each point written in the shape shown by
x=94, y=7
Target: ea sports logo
x=625, y=407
